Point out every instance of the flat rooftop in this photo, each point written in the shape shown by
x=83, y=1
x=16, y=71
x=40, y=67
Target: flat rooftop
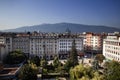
x=9, y=71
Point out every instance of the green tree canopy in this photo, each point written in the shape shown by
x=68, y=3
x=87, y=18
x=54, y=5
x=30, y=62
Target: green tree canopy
x=28, y=72
x=95, y=64
x=73, y=54
x=15, y=57
x=35, y=60
x=100, y=58
x=58, y=66
x=56, y=62
x=73, y=59
x=112, y=71
x=44, y=63
x=80, y=72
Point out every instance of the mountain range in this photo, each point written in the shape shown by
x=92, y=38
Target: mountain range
x=61, y=27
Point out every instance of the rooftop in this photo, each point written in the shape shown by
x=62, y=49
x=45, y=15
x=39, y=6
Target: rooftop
x=8, y=71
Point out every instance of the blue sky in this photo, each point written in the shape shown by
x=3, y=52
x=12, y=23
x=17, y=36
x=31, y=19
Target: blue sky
x=17, y=13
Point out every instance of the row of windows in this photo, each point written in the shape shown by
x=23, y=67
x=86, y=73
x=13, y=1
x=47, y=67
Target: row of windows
x=43, y=49
x=40, y=52
x=42, y=42
x=69, y=40
x=113, y=52
x=65, y=46
x=21, y=47
x=113, y=57
x=94, y=43
x=20, y=40
x=112, y=47
x=20, y=44
x=65, y=43
x=113, y=43
x=69, y=46
x=69, y=43
x=42, y=45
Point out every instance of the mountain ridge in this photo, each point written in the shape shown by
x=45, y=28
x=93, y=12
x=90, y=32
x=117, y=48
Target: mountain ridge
x=61, y=27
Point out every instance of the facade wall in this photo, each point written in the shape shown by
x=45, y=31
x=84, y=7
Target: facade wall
x=65, y=44
x=2, y=40
x=39, y=44
x=111, y=48
x=3, y=48
x=53, y=44
x=21, y=43
x=43, y=44
x=8, y=42
x=93, y=42
x=2, y=52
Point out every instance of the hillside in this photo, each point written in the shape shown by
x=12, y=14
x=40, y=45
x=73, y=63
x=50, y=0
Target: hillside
x=61, y=27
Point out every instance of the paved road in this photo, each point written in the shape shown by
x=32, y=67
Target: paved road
x=85, y=61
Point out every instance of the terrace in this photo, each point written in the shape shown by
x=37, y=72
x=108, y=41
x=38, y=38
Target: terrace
x=9, y=72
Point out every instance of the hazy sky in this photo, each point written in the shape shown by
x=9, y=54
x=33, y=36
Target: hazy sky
x=17, y=13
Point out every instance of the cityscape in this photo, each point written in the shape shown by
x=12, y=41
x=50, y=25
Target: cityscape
x=60, y=40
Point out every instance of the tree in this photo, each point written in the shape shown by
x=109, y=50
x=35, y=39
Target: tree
x=44, y=63
x=15, y=57
x=97, y=76
x=100, y=58
x=73, y=59
x=57, y=65
x=112, y=71
x=80, y=72
x=28, y=72
x=56, y=62
x=95, y=64
x=73, y=54
x=67, y=66
x=35, y=60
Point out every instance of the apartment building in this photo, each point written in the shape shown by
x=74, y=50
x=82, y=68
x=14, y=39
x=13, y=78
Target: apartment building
x=111, y=47
x=8, y=40
x=93, y=42
x=43, y=44
x=2, y=52
x=21, y=42
x=39, y=44
x=8, y=44
x=2, y=48
x=53, y=44
x=65, y=44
